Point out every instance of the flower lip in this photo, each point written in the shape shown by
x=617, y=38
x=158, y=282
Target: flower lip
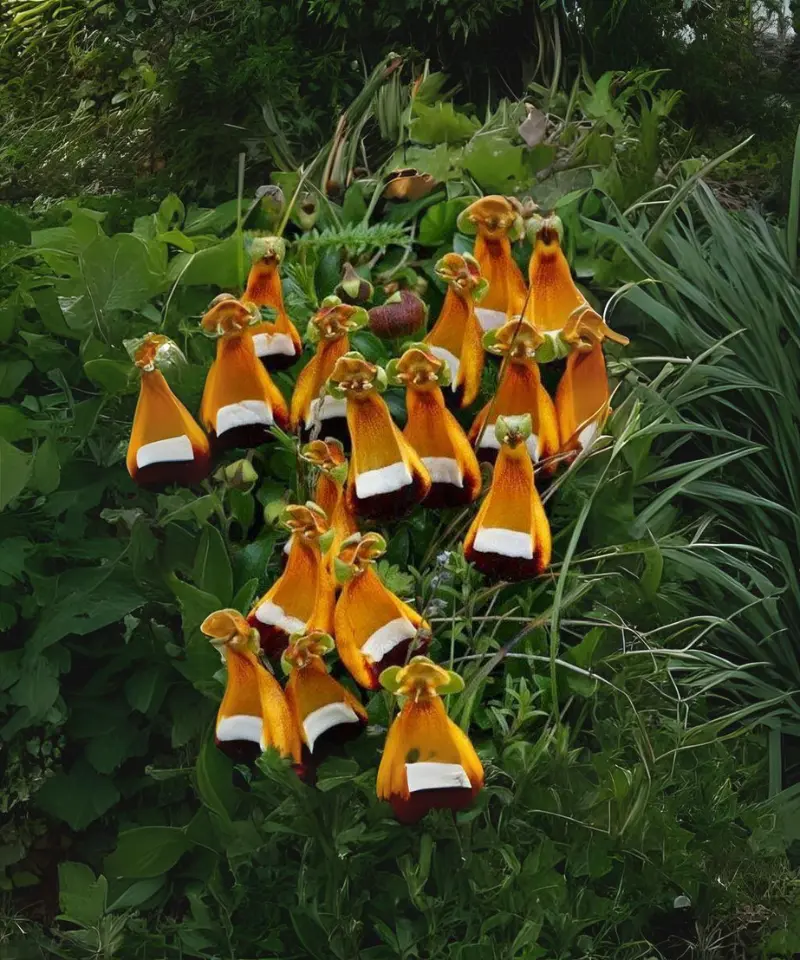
x=271, y=250
x=586, y=327
x=547, y=230
x=462, y=273
x=305, y=647
x=229, y=628
x=326, y=454
x=153, y=351
x=354, y=375
x=421, y=679
x=227, y=315
x=518, y=339
x=419, y=367
x=513, y=431
x=308, y=521
x=493, y=216
x=359, y=550
x=335, y=320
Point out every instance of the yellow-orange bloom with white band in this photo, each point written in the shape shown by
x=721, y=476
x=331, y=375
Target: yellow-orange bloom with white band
x=433, y=431
x=509, y=539
x=254, y=714
x=303, y=597
x=428, y=762
x=276, y=343
x=325, y=713
x=374, y=629
x=520, y=392
x=329, y=329
x=456, y=335
x=498, y=222
x=166, y=445
x=240, y=402
x=329, y=459
x=386, y=477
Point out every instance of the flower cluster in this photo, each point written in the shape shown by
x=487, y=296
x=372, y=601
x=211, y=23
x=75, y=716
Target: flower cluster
x=329, y=594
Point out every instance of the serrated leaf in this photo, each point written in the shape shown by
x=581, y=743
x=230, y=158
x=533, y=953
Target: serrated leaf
x=441, y=123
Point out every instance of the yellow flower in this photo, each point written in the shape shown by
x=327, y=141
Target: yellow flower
x=428, y=762
x=328, y=456
x=276, y=344
x=330, y=328
x=240, y=402
x=497, y=222
x=254, y=713
x=510, y=536
x=324, y=711
x=520, y=391
x=374, y=629
x=303, y=597
x=456, y=335
x=582, y=398
x=386, y=476
x=166, y=444
x=433, y=431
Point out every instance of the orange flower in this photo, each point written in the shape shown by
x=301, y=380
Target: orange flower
x=386, y=476
x=276, y=344
x=428, y=762
x=254, y=710
x=240, y=402
x=433, y=431
x=456, y=335
x=329, y=328
x=324, y=712
x=582, y=398
x=510, y=536
x=303, y=597
x=498, y=222
x=328, y=456
x=166, y=445
x=520, y=392
x=555, y=302
x=374, y=629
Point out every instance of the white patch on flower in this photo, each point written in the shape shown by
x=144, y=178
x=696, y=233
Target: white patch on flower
x=587, y=435
x=427, y=775
x=239, y=727
x=243, y=414
x=387, y=637
x=331, y=715
x=508, y=543
x=274, y=616
x=452, y=361
x=325, y=409
x=270, y=344
x=490, y=319
x=171, y=450
x=444, y=470
x=371, y=483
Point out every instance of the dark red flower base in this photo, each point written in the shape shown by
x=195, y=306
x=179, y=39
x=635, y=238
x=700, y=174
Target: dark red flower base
x=273, y=640
x=275, y=362
x=386, y=506
x=185, y=473
x=249, y=436
x=446, y=495
x=333, y=427
x=420, y=802
x=330, y=743
x=499, y=567
x=240, y=751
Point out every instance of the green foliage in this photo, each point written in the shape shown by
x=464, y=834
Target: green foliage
x=622, y=772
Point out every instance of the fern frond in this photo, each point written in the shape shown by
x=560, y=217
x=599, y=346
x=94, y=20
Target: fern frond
x=357, y=239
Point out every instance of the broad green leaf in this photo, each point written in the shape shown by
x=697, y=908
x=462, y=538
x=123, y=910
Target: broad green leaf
x=14, y=425
x=123, y=272
x=37, y=687
x=439, y=222
x=441, y=123
x=199, y=220
x=113, y=376
x=496, y=164
x=52, y=315
x=171, y=212
x=12, y=373
x=214, y=772
x=137, y=893
x=13, y=228
x=78, y=797
x=216, y=266
x=15, y=468
x=196, y=604
x=46, y=472
x=81, y=895
x=146, y=688
x=146, y=852
x=212, y=567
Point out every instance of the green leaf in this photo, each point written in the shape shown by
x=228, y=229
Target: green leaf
x=12, y=373
x=15, y=468
x=196, y=604
x=52, y=316
x=123, y=272
x=439, y=222
x=441, y=123
x=13, y=228
x=212, y=567
x=214, y=266
x=78, y=797
x=354, y=206
x=146, y=852
x=137, y=893
x=199, y=220
x=14, y=425
x=112, y=376
x=81, y=895
x=146, y=688
x=46, y=473
x=214, y=774
x=37, y=687
x=496, y=164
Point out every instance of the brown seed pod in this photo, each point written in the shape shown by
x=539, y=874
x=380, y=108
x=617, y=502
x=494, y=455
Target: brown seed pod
x=401, y=316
